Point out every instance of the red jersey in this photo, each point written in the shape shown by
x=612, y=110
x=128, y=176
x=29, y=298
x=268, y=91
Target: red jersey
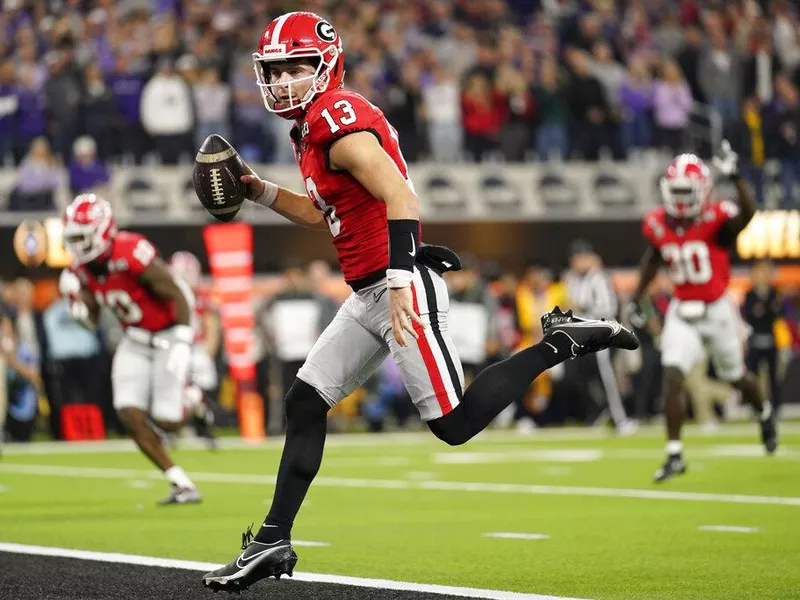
x=115, y=283
x=355, y=218
x=697, y=253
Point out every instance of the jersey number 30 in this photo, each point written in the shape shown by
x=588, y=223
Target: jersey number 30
x=688, y=263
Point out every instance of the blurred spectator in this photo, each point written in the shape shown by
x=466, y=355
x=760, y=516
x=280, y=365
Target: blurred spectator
x=668, y=36
x=785, y=136
x=761, y=69
x=31, y=121
x=442, y=106
x=101, y=118
x=167, y=114
x=672, y=106
x=688, y=60
x=24, y=383
x=212, y=100
x=515, y=134
x=403, y=100
x=609, y=73
x=482, y=114
x=127, y=85
x=747, y=136
x=720, y=76
x=551, y=138
x=786, y=32
x=8, y=111
x=63, y=95
x=251, y=134
x=73, y=371
x=387, y=395
x=594, y=129
x=86, y=171
x=37, y=180
x=26, y=320
x=636, y=104
x=472, y=319
x=761, y=309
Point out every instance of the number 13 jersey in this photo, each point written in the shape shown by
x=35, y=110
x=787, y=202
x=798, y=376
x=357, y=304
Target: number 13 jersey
x=115, y=284
x=697, y=252
x=356, y=219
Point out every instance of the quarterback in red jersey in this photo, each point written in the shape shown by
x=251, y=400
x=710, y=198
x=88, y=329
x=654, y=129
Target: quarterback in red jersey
x=357, y=187
x=121, y=271
x=692, y=236
x=202, y=378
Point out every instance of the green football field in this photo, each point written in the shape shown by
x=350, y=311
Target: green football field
x=569, y=513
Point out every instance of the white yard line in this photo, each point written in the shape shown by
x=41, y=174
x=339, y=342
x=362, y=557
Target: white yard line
x=729, y=528
x=501, y=535
x=447, y=486
x=384, y=584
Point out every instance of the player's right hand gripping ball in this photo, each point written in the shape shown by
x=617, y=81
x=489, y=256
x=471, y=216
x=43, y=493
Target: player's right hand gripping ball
x=216, y=177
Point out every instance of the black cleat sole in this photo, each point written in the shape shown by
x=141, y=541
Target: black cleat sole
x=285, y=566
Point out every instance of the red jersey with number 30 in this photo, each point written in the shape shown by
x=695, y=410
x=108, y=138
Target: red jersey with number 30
x=698, y=259
x=115, y=284
x=355, y=218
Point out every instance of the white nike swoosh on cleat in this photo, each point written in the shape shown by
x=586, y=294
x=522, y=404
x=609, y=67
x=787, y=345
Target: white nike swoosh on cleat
x=242, y=560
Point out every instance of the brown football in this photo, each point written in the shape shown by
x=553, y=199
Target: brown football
x=216, y=177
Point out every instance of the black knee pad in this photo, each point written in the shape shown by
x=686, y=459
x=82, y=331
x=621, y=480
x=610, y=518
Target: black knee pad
x=303, y=402
x=453, y=428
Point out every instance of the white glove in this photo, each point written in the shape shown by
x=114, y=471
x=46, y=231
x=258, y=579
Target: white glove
x=179, y=355
x=80, y=313
x=727, y=161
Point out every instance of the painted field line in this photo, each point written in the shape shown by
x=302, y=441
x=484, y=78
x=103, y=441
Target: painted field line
x=729, y=528
x=189, y=565
x=508, y=535
x=392, y=484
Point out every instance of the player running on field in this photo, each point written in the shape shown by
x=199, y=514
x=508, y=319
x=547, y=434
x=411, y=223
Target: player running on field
x=357, y=187
x=122, y=271
x=692, y=235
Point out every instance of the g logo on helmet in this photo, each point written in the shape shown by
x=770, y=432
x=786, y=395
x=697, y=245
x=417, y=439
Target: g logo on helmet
x=30, y=243
x=325, y=31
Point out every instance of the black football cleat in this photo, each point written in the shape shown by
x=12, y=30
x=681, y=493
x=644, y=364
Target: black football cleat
x=182, y=495
x=673, y=466
x=577, y=336
x=257, y=561
x=769, y=433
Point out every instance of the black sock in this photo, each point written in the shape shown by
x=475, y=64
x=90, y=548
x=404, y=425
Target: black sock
x=306, y=420
x=494, y=389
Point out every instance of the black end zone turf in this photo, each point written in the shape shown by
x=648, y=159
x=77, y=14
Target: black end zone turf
x=26, y=577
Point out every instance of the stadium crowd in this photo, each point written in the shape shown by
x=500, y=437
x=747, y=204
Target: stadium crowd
x=459, y=79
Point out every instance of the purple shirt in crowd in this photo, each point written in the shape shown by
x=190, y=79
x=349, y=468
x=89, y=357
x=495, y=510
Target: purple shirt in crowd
x=128, y=92
x=636, y=100
x=31, y=118
x=672, y=104
x=85, y=177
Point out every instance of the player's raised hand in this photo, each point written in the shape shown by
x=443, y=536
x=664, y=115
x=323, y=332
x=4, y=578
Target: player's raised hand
x=727, y=161
x=401, y=306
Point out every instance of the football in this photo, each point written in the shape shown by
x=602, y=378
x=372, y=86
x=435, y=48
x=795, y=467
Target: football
x=216, y=178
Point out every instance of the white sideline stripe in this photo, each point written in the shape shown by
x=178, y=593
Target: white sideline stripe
x=516, y=536
x=396, y=484
x=729, y=528
x=349, y=440
x=513, y=456
x=190, y=565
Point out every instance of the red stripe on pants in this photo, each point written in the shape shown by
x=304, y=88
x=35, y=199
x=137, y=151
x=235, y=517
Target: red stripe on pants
x=430, y=361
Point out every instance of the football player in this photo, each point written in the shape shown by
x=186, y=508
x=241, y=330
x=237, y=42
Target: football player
x=121, y=270
x=692, y=236
x=357, y=187
x=202, y=378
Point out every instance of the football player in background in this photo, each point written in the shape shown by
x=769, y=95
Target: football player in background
x=122, y=271
x=357, y=187
x=202, y=378
x=692, y=235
